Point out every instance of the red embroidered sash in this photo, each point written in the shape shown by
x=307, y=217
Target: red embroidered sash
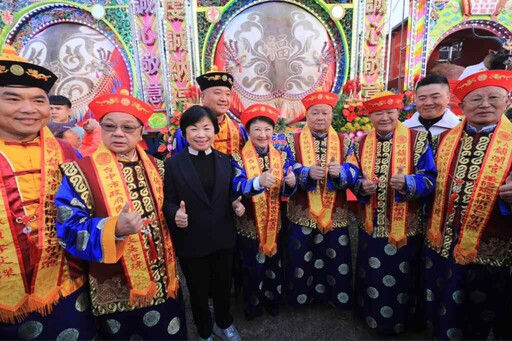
x=17, y=297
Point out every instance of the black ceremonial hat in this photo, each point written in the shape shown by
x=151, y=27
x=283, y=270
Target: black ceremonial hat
x=17, y=71
x=215, y=78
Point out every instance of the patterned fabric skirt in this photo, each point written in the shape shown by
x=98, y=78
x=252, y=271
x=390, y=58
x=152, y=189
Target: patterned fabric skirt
x=71, y=319
x=386, y=282
x=262, y=278
x=164, y=321
x=319, y=267
x=466, y=301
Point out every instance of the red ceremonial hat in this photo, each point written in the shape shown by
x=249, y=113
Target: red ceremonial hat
x=501, y=78
x=121, y=102
x=383, y=101
x=259, y=110
x=320, y=97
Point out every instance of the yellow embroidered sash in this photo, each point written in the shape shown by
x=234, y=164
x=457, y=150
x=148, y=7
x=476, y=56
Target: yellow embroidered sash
x=115, y=191
x=18, y=298
x=444, y=158
x=493, y=172
x=157, y=188
x=401, y=156
x=321, y=201
x=228, y=139
x=266, y=204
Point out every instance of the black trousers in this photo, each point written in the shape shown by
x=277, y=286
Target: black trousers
x=209, y=275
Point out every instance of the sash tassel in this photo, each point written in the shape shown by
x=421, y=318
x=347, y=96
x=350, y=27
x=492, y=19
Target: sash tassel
x=397, y=241
x=464, y=257
x=143, y=299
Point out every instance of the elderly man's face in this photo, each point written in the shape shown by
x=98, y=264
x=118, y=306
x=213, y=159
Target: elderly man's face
x=319, y=117
x=23, y=112
x=121, y=132
x=485, y=106
x=432, y=100
x=384, y=121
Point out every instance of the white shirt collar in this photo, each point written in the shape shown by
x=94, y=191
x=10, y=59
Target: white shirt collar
x=195, y=152
x=449, y=120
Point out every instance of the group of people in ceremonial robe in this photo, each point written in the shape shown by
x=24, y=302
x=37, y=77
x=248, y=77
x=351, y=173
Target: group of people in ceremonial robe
x=88, y=243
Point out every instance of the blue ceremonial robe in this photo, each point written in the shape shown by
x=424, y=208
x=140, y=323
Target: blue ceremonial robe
x=319, y=265
x=387, y=278
x=261, y=275
x=80, y=229
x=469, y=301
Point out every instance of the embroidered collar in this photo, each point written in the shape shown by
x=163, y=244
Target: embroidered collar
x=319, y=136
x=386, y=137
x=485, y=130
x=261, y=151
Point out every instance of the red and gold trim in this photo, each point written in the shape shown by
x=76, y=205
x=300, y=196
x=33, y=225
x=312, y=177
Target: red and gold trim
x=493, y=172
x=228, y=139
x=134, y=258
x=321, y=201
x=17, y=297
x=499, y=78
x=320, y=97
x=384, y=101
x=401, y=157
x=266, y=204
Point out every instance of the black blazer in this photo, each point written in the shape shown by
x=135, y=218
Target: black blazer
x=210, y=223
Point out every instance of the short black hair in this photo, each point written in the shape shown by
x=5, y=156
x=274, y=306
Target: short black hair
x=259, y=118
x=433, y=79
x=60, y=100
x=195, y=114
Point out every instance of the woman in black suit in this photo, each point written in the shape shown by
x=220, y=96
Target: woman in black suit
x=199, y=207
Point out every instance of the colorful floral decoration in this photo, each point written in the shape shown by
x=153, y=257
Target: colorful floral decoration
x=409, y=106
x=193, y=96
x=349, y=115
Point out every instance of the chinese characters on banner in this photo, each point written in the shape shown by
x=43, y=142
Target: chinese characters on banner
x=374, y=46
x=178, y=57
x=149, y=51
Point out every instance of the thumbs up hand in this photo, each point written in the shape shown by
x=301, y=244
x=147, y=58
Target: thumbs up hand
x=128, y=222
x=506, y=189
x=238, y=207
x=397, y=181
x=267, y=179
x=290, y=178
x=334, y=168
x=181, y=217
x=368, y=187
x=316, y=172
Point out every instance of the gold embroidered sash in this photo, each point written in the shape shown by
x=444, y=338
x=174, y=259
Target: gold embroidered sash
x=321, y=201
x=228, y=139
x=115, y=192
x=266, y=204
x=401, y=157
x=444, y=158
x=493, y=172
x=17, y=297
x=157, y=188
x=368, y=160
